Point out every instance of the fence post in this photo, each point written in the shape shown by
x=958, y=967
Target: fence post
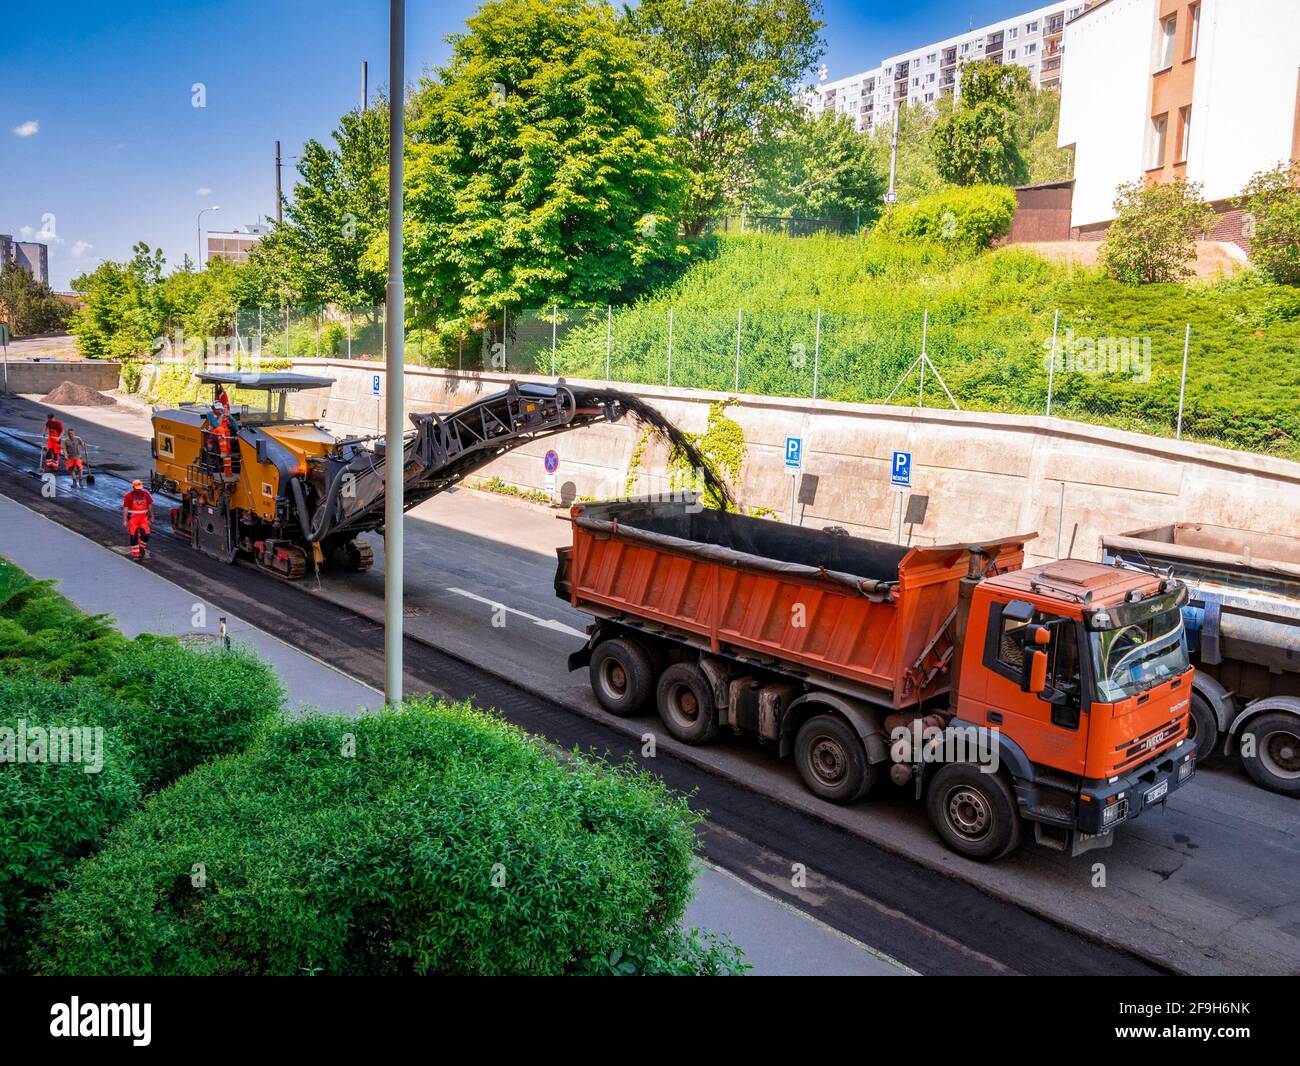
x=554, y=317
x=609, y=337
x=286, y=333
x=817, y=351
x=670, y=346
x=739, y=313
x=383, y=331
x=1182, y=385
x=925, y=336
x=316, y=331
x=1051, y=366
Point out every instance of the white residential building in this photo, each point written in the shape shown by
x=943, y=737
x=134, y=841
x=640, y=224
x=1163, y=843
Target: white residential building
x=1033, y=40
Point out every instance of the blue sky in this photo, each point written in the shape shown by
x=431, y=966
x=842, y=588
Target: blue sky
x=101, y=146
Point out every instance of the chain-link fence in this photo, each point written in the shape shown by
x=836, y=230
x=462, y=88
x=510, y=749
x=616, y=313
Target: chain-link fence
x=1165, y=380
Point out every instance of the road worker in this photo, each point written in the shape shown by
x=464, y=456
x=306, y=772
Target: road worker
x=74, y=455
x=137, y=514
x=221, y=429
x=223, y=399
x=53, y=443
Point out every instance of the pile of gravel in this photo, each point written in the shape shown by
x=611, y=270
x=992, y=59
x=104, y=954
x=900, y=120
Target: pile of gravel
x=70, y=394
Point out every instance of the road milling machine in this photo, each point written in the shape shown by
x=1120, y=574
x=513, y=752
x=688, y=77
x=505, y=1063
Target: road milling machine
x=297, y=496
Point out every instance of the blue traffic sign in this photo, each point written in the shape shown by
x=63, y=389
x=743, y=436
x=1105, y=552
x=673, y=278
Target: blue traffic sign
x=794, y=453
x=900, y=472
x=375, y=384
x=552, y=461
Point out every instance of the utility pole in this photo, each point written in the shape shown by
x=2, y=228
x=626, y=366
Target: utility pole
x=394, y=328
x=893, y=159
x=365, y=93
x=278, y=214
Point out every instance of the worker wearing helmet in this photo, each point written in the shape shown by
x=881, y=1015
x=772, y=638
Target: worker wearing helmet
x=74, y=455
x=53, y=443
x=137, y=514
x=220, y=419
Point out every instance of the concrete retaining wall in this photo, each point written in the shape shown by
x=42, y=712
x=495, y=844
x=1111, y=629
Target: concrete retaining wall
x=40, y=376
x=985, y=475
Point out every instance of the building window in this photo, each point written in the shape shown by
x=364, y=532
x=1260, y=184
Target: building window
x=1013, y=33
x=965, y=48
x=1194, y=33
x=1032, y=27
x=931, y=58
x=929, y=98
x=1011, y=53
x=1031, y=48
x=1165, y=43
x=1159, y=134
x=1184, y=133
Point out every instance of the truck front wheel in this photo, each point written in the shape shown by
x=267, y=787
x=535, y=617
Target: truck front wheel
x=621, y=677
x=975, y=813
x=1274, y=739
x=831, y=760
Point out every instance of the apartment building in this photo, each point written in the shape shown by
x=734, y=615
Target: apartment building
x=32, y=256
x=1033, y=40
x=1208, y=90
x=235, y=245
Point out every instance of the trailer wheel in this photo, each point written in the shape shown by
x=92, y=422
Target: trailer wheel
x=686, y=705
x=1275, y=764
x=832, y=761
x=1203, y=727
x=975, y=813
x=621, y=677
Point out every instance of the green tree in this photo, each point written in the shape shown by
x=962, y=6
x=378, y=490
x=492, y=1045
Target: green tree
x=540, y=166
x=1036, y=134
x=1153, y=237
x=976, y=142
x=734, y=68
x=1272, y=202
x=916, y=173
x=821, y=168
x=124, y=310
x=28, y=305
x=317, y=255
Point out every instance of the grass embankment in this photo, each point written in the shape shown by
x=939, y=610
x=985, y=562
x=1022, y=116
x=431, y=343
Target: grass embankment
x=990, y=330
x=213, y=836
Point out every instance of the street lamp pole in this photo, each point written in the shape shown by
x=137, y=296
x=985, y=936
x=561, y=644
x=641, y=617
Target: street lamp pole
x=395, y=328
x=199, y=226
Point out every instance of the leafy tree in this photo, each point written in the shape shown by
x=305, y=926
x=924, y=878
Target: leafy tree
x=821, y=168
x=733, y=70
x=124, y=310
x=916, y=173
x=317, y=255
x=28, y=305
x=976, y=142
x=1153, y=237
x=1272, y=202
x=540, y=167
x=1038, y=123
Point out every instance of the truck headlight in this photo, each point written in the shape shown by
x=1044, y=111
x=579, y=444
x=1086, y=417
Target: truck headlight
x=1187, y=769
x=1114, y=812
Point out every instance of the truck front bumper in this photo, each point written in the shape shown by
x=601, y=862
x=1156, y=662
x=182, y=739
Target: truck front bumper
x=1105, y=804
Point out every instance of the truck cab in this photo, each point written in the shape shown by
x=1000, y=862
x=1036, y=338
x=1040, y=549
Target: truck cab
x=1082, y=670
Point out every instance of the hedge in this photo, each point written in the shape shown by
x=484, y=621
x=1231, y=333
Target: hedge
x=433, y=839
x=965, y=218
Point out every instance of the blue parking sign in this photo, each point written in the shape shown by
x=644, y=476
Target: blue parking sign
x=794, y=453
x=375, y=380
x=900, y=472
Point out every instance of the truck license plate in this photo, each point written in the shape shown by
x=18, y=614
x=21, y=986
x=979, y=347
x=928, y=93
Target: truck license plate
x=1156, y=793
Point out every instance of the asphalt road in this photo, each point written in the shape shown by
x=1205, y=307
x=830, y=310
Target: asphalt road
x=1209, y=886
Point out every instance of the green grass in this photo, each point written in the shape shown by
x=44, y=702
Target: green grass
x=990, y=329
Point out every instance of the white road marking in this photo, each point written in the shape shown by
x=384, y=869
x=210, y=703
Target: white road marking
x=545, y=623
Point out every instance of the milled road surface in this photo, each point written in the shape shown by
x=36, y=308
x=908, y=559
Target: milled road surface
x=1209, y=886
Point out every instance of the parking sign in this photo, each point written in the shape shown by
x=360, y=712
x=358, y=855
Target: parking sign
x=900, y=472
x=375, y=380
x=794, y=453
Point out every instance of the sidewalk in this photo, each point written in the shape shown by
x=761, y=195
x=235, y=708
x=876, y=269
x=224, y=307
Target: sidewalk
x=777, y=939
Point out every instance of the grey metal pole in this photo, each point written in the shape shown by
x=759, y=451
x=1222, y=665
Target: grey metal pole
x=609, y=336
x=670, y=346
x=279, y=212
x=1182, y=385
x=925, y=337
x=365, y=86
x=1051, y=366
x=817, y=351
x=1060, y=520
x=739, y=313
x=554, y=317
x=395, y=467
x=893, y=158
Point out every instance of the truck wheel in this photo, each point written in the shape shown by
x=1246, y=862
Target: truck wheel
x=975, y=813
x=621, y=677
x=686, y=705
x=832, y=761
x=1276, y=739
x=1203, y=728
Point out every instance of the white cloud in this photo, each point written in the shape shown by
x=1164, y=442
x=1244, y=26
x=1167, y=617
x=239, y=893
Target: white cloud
x=80, y=248
x=205, y=191
x=28, y=128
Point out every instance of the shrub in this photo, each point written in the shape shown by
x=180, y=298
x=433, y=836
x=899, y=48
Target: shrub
x=42, y=633
x=428, y=840
x=966, y=219
x=1272, y=202
x=1153, y=237
x=184, y=706
x=51, y=813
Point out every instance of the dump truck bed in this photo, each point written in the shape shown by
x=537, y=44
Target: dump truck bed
x=875, y=617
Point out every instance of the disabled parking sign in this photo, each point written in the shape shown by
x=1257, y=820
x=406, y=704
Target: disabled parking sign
x=794, y=453
x=900, y=471
x=375, y=380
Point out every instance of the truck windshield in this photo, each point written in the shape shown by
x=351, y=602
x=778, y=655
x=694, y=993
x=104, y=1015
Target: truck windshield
x=1135, y=657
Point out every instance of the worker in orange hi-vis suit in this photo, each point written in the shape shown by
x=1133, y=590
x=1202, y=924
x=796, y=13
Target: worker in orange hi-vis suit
x=74, y=454
x=222, y=431
x=137, y=513
x=53, y=443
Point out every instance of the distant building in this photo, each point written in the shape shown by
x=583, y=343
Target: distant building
x=1034, y=40
x=1158, y=90
x=31, y=256
x=236, y=244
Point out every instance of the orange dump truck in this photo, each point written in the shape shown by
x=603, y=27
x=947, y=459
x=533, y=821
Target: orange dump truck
x=1055, y=695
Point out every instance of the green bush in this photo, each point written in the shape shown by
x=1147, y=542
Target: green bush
x=42, y=633
x=184, y=706
x=967, y=219
x=428, y=840
x=1153, y=238
x=1271, y=200
x=52, y=813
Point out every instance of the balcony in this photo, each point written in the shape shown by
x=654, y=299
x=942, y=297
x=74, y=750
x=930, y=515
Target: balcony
x=949, y=57
x=1055, y=24
x=993, y=43
x=1051, y=64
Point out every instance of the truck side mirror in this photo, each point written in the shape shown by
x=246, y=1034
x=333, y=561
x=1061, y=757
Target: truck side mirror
x=1035, y=676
